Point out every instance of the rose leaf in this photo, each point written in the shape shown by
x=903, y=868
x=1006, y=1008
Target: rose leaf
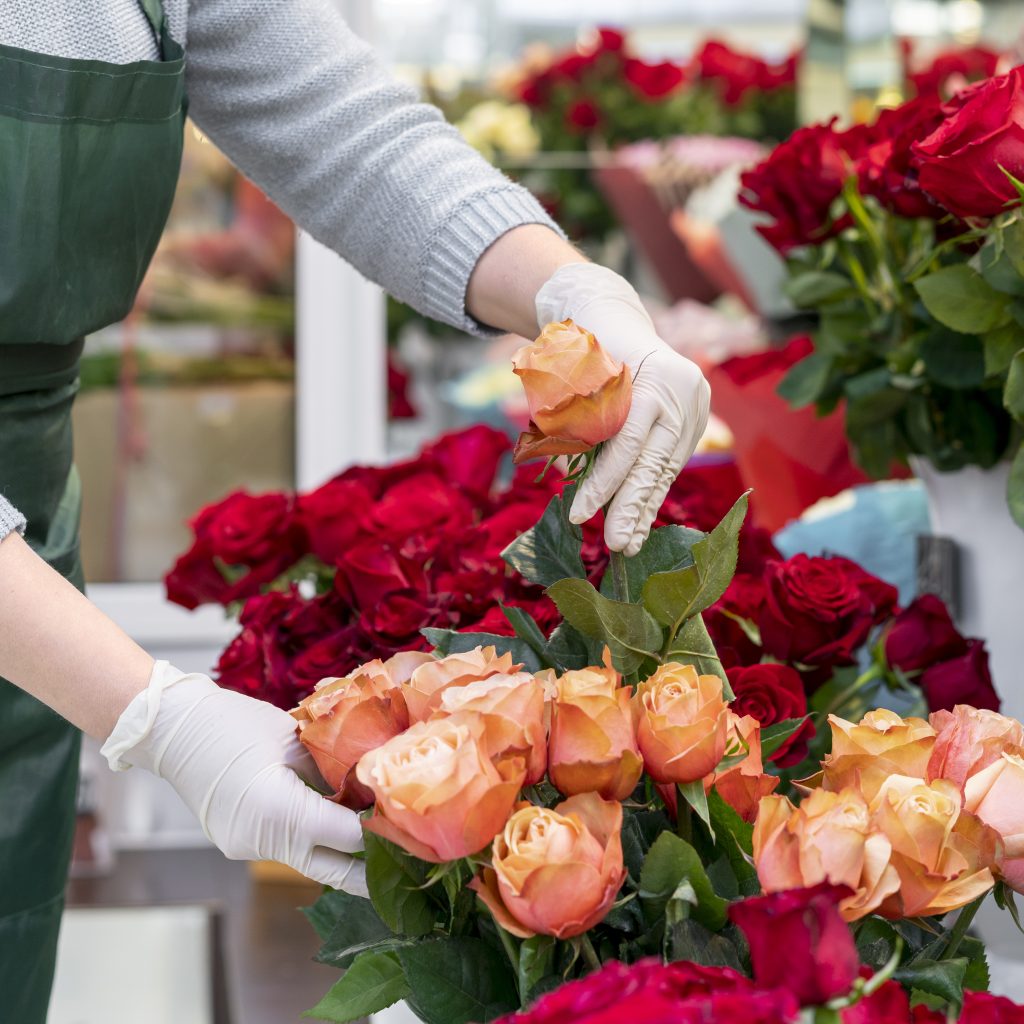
x=374, y=982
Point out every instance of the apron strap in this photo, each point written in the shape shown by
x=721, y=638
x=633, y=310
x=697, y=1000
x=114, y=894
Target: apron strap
x=154, y=11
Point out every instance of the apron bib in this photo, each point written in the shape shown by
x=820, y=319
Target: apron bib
x=89, y=159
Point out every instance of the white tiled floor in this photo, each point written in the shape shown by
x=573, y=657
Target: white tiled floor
x=123, y=966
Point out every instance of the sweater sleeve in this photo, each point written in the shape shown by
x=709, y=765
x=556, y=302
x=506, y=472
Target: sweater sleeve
x=11, y=520
x=309, y=112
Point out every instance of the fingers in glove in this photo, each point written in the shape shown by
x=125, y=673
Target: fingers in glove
x=616, y=459
x=633, y=496
x=642, y=529
x=331, y=825
x=338, y=870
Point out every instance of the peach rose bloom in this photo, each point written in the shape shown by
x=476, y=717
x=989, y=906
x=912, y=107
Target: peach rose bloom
x=970, y=739
x=743, y=784
x=941, y=855
x=593, y=738
x=555, y=872
x=438, y=793
x=513, y=706
x=429, y=680
x=828, y=838
x=578, y=395
x=996, y=796
x=682, y=724
x=881, y=744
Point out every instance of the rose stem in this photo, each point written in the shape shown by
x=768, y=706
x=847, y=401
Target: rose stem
x=620, y=578
x=963, y=922
x=684, y=823
x=861, y=681
x=513, y=956
x=589, y=953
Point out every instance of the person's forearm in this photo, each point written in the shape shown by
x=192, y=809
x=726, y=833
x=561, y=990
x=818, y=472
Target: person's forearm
x=508, y=276
x=57, y=646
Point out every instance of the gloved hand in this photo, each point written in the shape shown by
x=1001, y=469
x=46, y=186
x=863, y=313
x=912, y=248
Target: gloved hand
x=239, y=767
x=670, y=405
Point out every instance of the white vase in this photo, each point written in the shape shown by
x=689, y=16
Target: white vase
x=969, y=507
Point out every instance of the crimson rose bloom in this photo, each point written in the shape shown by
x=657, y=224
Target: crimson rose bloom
x=962, y=680
x=818, y=611
x=961, y=163
x=970, y=62
x=799, y=941
x=334, y=517
x=734, y=73
x=772, y=693
x=653, y=81
x=583, y=115
x=889, y=1004
x=921, y=635
x=985, y=1008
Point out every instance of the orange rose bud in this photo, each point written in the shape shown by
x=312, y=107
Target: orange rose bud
x=682, y=724
x=438, y=794
x=578, y=395
x=555, y=872
x=970, y=739
x=743, y=784
x=512, y=707
x=593, y=739
x=427, y=683
x=996, y=796
x=881, y=744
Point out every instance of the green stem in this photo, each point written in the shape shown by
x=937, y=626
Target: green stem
x=589, y=953
x=620, y=577
x=859, y=683
x=513, y=955
x=963, y=922
x=684, y=821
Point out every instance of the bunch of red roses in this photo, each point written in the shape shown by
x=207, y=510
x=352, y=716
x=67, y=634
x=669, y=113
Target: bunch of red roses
x=950, y=69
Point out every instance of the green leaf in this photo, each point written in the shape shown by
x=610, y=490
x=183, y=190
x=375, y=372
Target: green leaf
x=977, y=978
x=734, y=837
x=673, y=597
x=997, y=268
x=959, y=297
x=942, y=978
x=693, y=793
x=1013, y=395
x=374, y=982
x=640, y=830
x=1015, y=488
x=690, y=940
x=327, y=911
x=805, y=382
x=693, y=646
x=526, y=628
x=549, y=551
x=536, y=962
x=628, y=629
x=816, y=287
x=773, y=736
x=954, y=360
x=1001, y=345
x=1006, y=900
x=1013, y=244
x=458, y=980
x=357, y=927
x=671, y=862
x=568, y=649
x=876, y=942
x=395, y=881
x=666, y=549
x=448, y=641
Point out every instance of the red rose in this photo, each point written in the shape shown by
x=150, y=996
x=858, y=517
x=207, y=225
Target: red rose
x=734, y=73
x=742, y=599
x=653, y=81
x=335, y=655
x=962, y=680
x=888, y=1004
x=969, y=62
x=921, y=635
x=398, y=618
x=496, y=532
x=469, y=459
x=772, y=693
x=797, y=184
x=583, y=115
x=399, y=405
x=800, y=942
x=195, y=579
x=748, y=368
x=241, y=665
x=371, y=570
x=961, y=163
x=985, y=1008
x=421, y=503
x=818, y=611
x=244, y=529
x=610, y=40
x=333, y=517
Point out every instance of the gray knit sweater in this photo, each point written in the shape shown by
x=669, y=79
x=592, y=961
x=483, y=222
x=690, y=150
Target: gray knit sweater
x=313, y=117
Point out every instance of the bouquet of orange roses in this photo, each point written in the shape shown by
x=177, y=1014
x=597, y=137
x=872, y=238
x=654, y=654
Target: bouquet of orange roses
x=542, y=805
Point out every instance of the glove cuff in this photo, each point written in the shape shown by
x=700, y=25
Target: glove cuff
x=573, y=287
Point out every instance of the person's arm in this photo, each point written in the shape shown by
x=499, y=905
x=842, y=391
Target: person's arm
x=235, y=761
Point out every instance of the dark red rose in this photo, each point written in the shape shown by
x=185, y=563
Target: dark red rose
x=333, y=517
x=195, y=580
x=400, y=406
x=734, y=73
x=572, y=66
x=653, y=81
x=496, y=532
x=961, y=163
x=493, y=621
x=888, y=1004
x=398, y=618
x=610, y=40
x=819, y=611
x=985, y=1008
x=244, y=529
x=963, y=680
x=969, y=63
x=772, y=693
x=748, y=368
x=583, y=115
x=798, y=182
x=887, y=170
x=419, y=504
x=335, y=655
x=241, y=665
x=371, y=570
x=742, y=599
x=799, y=941
x=921, y=635
x=469, y=459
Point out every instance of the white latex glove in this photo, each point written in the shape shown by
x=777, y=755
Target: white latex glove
x=239, y=767
x=670, y=406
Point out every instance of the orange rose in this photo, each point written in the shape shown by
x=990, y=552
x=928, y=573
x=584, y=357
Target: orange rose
x=881, y=744
x=970, y=739
x=996, y=796
x=555, y=872
x=682, y=723
x=940, y=855
x=427, y=683
x=578, y=395
x=513, y=706
x=438, y=794
x=743, y=784
x=593, y=740
x=828, y=838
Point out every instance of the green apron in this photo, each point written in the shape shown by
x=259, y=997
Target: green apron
x=89, y=158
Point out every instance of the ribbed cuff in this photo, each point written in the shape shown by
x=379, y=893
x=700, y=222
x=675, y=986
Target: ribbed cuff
x=468, y=232
x=11, y=520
